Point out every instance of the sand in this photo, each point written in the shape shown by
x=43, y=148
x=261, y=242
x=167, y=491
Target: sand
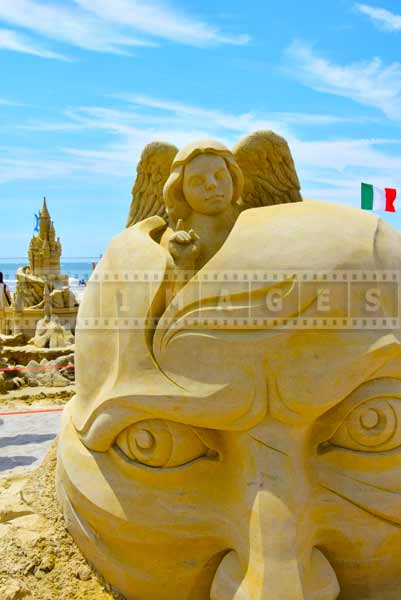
x=35, y=397
x=39, y=560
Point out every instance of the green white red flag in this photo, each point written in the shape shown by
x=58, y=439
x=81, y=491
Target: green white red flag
x=373, y=198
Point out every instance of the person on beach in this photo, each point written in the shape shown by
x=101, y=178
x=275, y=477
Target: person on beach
x=5, y=296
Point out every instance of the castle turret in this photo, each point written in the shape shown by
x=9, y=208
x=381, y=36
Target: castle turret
x=44, y=221
x=52, y=232
x=44, y=250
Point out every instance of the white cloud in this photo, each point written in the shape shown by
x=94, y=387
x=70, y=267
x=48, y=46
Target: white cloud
x=328, y=168
x=11, y=40
x=381, y=17
x=7, y=102
x=369, y=83
x=340, y=155
x=156, y=115
x=315, y=119
x=20, y=164
x=154, y=19
x=210, y=119
x=114, y=27
x=67, y=24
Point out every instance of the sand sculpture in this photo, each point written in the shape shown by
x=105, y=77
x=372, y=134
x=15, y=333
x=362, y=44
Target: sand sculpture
x=39, y=282
x=236, y=436
x=36, y=330
x=50, y=333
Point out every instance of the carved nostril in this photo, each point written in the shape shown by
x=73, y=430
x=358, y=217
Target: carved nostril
x=320, y=580
x=227, y=579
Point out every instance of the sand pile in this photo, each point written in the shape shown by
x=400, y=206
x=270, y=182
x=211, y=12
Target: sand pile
x=35, y=398
x=59, y=372
x=38, y=558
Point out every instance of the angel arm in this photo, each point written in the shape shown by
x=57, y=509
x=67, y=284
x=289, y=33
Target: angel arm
x=152, y=172
x=268, y=168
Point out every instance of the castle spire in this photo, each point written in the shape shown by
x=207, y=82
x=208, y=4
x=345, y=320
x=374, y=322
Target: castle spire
x=44, y=251
x=44, y=213
x=52, y=232
x=44, y=221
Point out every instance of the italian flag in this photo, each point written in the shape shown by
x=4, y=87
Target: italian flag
x=373, y=198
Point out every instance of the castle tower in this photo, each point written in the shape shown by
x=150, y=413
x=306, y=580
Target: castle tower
x=52, y=232
x=44, y=221
x=44, y=249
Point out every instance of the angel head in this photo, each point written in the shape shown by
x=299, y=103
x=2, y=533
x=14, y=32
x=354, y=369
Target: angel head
x=259, y=171
x=204, y=178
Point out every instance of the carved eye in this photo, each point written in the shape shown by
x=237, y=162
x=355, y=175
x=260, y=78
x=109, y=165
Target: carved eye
x=220, y=174
x=372, y=426
x=196, y=181
x=158, y=443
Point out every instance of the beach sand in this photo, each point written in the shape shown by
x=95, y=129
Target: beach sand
x=39, y=560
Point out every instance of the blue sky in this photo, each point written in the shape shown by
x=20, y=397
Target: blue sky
x=85, y=84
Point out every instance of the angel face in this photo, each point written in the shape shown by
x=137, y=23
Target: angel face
x=207, y=184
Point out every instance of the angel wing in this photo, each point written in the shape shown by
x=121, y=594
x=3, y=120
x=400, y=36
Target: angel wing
x=151, y=174
x=268, y=168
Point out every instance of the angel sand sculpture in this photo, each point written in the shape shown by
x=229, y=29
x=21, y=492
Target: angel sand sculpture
x=213, y=450
x=200, y=190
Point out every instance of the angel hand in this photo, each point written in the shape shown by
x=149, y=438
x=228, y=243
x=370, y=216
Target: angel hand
x=185, y=247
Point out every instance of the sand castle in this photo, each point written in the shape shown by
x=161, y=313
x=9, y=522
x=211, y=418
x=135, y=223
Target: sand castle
x=36, y=331
x=41, y=287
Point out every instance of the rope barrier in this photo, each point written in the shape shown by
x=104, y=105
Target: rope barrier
x=42, y=368
x=30, y=412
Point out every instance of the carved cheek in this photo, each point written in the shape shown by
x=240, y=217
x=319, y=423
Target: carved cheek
x=361, y=461
x=372, y=483
x=227, y=185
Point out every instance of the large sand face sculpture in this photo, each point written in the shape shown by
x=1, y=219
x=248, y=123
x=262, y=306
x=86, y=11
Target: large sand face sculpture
x=228, y=445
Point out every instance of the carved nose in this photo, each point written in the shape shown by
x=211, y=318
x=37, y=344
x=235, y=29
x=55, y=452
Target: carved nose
x=211, y=184
x=275, y=568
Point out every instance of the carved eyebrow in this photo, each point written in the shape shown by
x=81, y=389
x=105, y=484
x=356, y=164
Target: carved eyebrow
x=368, y=365
x=196, y=176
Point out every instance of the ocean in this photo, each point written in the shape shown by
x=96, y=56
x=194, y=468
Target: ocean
x=76, y=271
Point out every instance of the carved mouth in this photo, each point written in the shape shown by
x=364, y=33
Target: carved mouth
x=215, y=197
